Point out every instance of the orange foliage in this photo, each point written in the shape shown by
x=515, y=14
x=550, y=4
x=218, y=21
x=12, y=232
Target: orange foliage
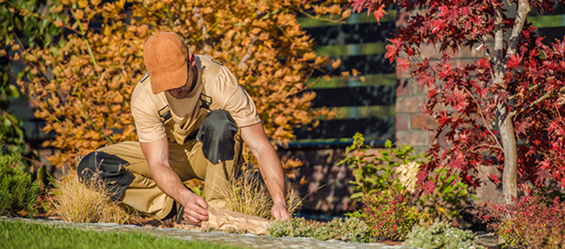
x=83, y=85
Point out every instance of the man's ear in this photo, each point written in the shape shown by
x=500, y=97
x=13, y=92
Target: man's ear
x=191, y=60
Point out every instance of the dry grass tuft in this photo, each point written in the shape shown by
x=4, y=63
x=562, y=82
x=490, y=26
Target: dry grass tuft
x=88, y=202
x=249, y=195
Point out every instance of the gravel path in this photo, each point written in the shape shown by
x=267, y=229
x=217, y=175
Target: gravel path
x=246, y=240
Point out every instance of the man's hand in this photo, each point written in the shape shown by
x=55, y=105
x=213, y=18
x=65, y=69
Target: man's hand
x=195, y=209
x=279, y=211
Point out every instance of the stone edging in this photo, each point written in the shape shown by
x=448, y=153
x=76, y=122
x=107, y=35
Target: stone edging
x=245, y=240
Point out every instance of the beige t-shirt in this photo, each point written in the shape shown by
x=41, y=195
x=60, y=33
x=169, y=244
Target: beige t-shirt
x=225, y=92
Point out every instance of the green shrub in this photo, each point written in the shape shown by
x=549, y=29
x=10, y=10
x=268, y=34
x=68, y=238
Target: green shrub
x=440, y=235
x=396, y=170
x=350, y=229
x=17, y=190
x=390, y=217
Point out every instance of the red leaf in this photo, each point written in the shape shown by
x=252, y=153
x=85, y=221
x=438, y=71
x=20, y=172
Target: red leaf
x=437, y=25
x=514, y=61
x=465, y=11
x=522, y=127
x=379, y=13
x=431, y=93
x=403, y=64
x=484, y=63
x=494, y=178
x=425, y=80
x=392, y=49
x=358, y=5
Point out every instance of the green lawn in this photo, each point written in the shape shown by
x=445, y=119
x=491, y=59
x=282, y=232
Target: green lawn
x=32, y=235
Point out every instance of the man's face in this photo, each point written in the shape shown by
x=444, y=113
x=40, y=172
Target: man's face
x=183, y=91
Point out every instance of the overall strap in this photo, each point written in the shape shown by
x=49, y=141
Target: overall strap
x=213, y=69
x=164, y=110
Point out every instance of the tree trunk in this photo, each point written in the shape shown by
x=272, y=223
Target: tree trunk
x=504, y=114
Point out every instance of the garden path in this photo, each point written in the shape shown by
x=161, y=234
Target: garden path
x=246, y=240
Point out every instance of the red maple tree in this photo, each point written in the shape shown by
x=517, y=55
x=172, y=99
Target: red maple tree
x=506, y=109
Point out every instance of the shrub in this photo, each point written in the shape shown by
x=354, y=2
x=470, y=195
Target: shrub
x=389, y=217
x=17, y=190
x=530, y=221
x=396, y=170
x=440, y=235
x=88, y=202
x=350, y=229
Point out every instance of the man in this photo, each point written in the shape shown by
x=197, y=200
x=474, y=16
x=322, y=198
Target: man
x=191, y=115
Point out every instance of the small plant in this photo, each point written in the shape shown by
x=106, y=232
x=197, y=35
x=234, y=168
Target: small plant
x=375, y=173
x=395, y=170
x=440, y=235
x=88, y=202
x=390, y=217
x=350, y=229
x=249, y=195
x=18, y=193
x=530, y=221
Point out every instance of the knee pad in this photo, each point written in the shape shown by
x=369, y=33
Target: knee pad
x=110, y=169
x=217, y=135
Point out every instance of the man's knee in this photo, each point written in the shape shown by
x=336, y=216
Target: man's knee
x=217, y=135
x=108, y=168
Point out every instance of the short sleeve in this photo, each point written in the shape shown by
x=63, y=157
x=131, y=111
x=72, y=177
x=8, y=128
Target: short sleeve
x=147, y=122
x=234, y=99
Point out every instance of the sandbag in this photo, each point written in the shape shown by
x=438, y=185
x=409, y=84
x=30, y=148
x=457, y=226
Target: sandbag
x=222, y=219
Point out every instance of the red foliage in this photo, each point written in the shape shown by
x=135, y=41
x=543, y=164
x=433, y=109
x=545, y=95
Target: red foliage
x=465, y=99
x=529, y=222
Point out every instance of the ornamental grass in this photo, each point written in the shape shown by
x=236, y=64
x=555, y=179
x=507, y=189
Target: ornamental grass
x=249, y=195
x=88, y=202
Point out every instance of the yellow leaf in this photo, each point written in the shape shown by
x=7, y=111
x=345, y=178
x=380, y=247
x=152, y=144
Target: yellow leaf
x=336, y=63
x=79, y=14
x=82, y=3
x=355, y=72
x=58, y=23
x=346, y=13
x=95, y=2
x=16, y=56
x=309, y=56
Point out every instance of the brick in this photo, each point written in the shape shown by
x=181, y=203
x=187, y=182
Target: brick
x=413, y=138
x=403, y=87
x=412, y=104
x=422, y=121
x=402, y=122
x=416, y=89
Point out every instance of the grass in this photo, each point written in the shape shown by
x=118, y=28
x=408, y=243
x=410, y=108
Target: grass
x=20, y=234
x=88, y=202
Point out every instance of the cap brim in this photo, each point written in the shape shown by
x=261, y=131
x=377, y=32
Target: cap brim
x=170, y=81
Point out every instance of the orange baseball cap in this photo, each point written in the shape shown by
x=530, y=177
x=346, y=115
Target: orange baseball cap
x=166, y=59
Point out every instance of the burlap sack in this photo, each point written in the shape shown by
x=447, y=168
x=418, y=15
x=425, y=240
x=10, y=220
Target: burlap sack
x=222, y=219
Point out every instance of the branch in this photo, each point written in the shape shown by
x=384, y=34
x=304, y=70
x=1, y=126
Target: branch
x=483, y=117
x=83, y=33
x=474, y=149
x=523, y=10
x=537, y=101
x=90, y=120
x=319, y=18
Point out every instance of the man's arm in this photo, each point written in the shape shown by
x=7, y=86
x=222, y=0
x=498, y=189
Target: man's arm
x=157, y=155
x=270, y=166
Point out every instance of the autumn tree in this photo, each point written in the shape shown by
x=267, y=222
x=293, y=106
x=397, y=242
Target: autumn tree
x=506, y=109
x=82, y=86
x=14, y=27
